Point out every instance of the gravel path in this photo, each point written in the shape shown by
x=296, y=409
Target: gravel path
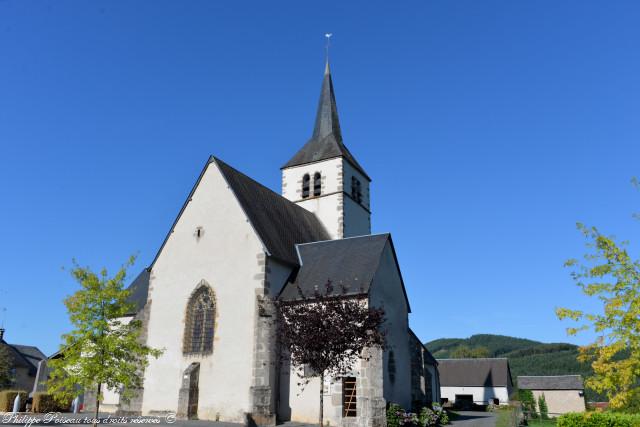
x=475, y=419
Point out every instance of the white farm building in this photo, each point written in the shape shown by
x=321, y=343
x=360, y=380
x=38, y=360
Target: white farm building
x=468, y=382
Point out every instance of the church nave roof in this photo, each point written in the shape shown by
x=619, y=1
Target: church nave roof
x=280, y=223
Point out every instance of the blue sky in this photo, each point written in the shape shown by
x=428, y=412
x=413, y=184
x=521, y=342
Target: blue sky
x=489, y=128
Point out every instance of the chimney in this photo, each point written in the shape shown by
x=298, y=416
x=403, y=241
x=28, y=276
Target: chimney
x=1, y=334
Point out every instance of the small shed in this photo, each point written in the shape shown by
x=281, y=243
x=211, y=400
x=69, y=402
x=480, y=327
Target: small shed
x=563, y=393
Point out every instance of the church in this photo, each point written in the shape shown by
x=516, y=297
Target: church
x=236, y=246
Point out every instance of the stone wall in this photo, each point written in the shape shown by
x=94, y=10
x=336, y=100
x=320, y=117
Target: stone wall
x=263, y=389
x=370, y=393
x=133, y=405
x=420, y=392
x=561, y=401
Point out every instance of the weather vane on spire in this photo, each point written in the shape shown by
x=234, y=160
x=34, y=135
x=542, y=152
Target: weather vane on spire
x=328, y=36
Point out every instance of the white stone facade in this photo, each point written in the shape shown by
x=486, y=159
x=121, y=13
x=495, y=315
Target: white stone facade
x=341, y=215
x=229, y=257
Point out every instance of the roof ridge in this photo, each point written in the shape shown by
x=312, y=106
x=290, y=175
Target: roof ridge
x=344, y=238
x=549, y=376
x=475, y=358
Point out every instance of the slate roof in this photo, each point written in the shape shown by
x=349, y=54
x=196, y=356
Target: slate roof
x=351, y=262
x=485, y=372
x=553, y=382
x=280, y=223
x=25, y=356
x=432, y=360
x=139, y=289
x=326, y=141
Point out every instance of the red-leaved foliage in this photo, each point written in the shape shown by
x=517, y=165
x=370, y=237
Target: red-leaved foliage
x=326, y=332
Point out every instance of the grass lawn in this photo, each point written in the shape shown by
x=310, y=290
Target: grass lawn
x=506, y=417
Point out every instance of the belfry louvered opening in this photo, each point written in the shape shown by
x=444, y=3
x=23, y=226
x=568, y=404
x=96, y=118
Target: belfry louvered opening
x=306, y=182
x=317, y=184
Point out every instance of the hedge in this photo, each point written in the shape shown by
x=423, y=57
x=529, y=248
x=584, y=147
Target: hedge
x=44, y=402
x=599, y=419
x=8, y=396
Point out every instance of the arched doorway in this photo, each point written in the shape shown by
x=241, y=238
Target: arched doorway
x=188, y=395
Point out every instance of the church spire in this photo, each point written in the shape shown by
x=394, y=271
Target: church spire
x=326, y=140
x=327, y=121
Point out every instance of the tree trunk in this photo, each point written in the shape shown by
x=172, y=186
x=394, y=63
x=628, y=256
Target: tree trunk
x=95, y=422
x=321, y=398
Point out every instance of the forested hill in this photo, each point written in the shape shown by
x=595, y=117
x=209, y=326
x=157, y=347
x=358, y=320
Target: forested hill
x=526, y=357
x=498, y=345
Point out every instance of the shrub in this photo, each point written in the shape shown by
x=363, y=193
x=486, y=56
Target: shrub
x=8, y=396
x=398, y=417
x=393, y=415
x=599, y=419
x=528, y=402
x=542, y=406
x=45, y=402
x=443, y=417
x=436, y=415
x=427, y=417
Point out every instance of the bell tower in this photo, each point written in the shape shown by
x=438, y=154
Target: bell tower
x=324, y=177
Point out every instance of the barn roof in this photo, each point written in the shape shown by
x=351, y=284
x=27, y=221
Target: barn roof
x=484, y=372
x=551, y=382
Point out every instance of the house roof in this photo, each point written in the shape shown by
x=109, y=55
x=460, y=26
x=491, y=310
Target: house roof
x=25, y=356
x=485, y=372
x=280, y=223
x=351, y=262
x=326, y=141
x=551, y=382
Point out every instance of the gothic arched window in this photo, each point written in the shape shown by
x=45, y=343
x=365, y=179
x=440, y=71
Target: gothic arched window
x=305, y=185
x=200, y=319
x=317, y=184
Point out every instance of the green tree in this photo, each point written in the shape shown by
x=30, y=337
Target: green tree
x=528, y=402
x=102, y=350
x=542, y=406
x=465, y=352
x=6, y=377
x=609, y=273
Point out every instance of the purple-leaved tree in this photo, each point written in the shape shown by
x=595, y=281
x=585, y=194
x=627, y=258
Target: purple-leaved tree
x=327, y=333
